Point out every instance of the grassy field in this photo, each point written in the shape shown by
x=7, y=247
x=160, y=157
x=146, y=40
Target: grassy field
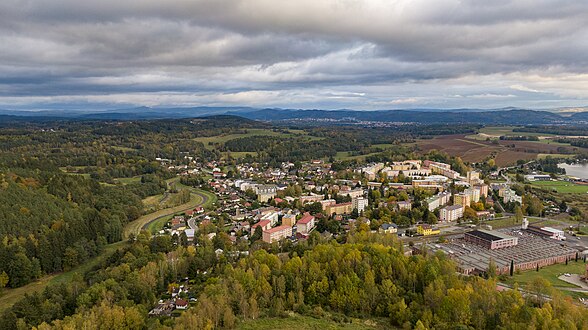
x=11, y=296
x=152, y=201
x=157, y=225
x=345, y=155
x=562, y=187
x=298, y=322
x=543, y=156
x=550, y=273
x=220, y=139
x=134, y=179
x=508, y=222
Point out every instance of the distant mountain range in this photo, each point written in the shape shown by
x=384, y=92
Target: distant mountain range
x=503, y=116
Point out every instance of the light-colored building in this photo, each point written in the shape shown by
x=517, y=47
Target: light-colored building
x=343, y=208
x=277, y=234
x=265, y=192
x=438, y=200
x=473, y=193
x=388, y=228
x=355, y=193
x=272, y=216
x=305, y=224
x=510, y=195
x=264, y=224
x=327, y=202
x=312, y=198
x=360, y=203
x=462, y=199
x=289, y=220
x=451, y=213
x=404, y=205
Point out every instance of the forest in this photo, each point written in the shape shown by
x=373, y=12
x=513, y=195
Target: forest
x=369, y=277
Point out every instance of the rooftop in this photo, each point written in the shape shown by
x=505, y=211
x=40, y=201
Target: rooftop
x=489, y=235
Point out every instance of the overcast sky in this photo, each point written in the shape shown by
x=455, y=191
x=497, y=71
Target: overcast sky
x=371, y=54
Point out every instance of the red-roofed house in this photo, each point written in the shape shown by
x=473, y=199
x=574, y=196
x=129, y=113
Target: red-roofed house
x=305, y=224
x=264, y=224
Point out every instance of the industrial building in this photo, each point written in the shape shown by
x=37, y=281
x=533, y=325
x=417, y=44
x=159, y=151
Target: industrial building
x=490, y=239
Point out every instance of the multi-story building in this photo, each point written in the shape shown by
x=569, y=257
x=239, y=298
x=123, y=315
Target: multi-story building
x=483, y=188
x=451, y=213
x=343, y=208
x=289, y=220
x=312, y=198
x=510, y=195
x=404, y=205
x=462, y=199
x=427, y=230
x=360, y=203
x=473, y=193
x=305, y=224
x=327, y=202
x=272, y=217
x=438, y=200
x=277, y=233
x=265, y=192
x=355, y=193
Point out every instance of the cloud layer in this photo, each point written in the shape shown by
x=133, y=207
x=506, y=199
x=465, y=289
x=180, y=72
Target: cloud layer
x=376, y=54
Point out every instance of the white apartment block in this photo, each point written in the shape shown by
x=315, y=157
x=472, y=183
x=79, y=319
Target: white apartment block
x=360, y=203
x=451, y=213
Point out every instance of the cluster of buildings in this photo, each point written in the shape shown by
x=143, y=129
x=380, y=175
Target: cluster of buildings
x=510, y=250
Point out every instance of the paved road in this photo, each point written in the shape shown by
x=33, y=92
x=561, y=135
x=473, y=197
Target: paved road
x=204, y=200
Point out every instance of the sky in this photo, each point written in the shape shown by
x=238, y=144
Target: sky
x=327, y=54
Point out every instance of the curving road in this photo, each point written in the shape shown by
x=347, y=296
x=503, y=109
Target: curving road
x=143, y=222
x=201, y=195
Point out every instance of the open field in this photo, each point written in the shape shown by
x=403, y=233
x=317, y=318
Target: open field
x=11, y=296
x=506, y=222
x=562, y=187
x=543, y=156
x=152, y=201
x=134, y=179
x=346, y=155
x=550, y=273
x=494, y=133
x=298, y=322
x=155, y=226
x=458, y=145
x=210, y=141
x=472, y=148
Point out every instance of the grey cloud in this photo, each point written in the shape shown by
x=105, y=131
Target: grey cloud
x=301, y=49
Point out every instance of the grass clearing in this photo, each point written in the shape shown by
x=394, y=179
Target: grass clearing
x=562, y=187
x=210, y=141
x=543, y=156
x=550, y=273
x=298, y=322
x=135, y=179
x=506, y=222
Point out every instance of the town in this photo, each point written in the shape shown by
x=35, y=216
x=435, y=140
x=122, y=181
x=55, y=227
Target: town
x=426, y=204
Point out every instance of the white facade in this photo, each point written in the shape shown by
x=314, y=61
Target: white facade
x=360, y=203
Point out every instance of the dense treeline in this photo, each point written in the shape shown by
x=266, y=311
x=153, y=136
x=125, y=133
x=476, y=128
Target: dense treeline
x=369, y=277
x=557, y=130
x=50, y=221
x=519, y=138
